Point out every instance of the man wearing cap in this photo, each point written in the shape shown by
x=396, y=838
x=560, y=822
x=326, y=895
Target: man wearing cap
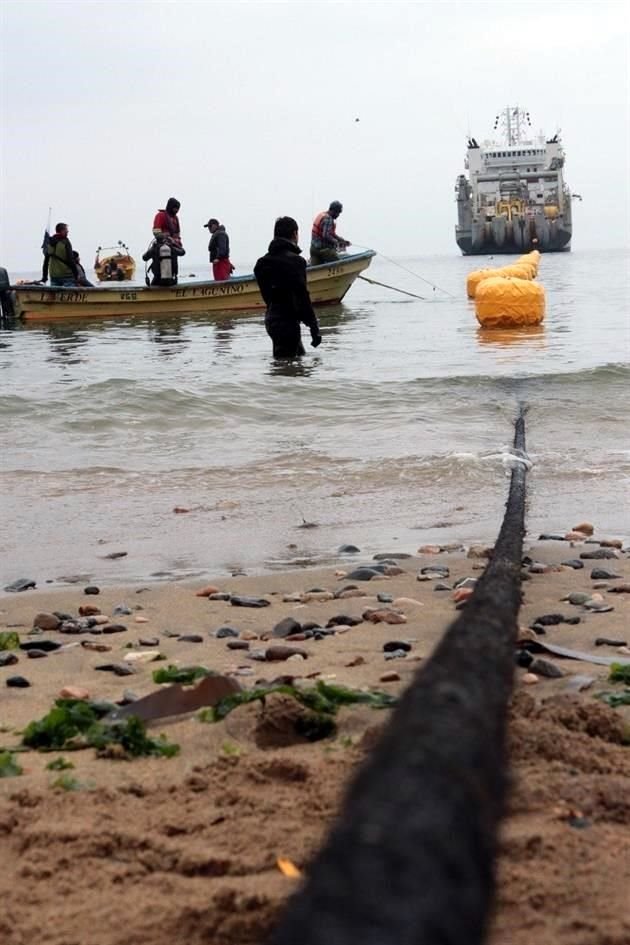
x=219, y=249
x=59, y=259
x=325, y=244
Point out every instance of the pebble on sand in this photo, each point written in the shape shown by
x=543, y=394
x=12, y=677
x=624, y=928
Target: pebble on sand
x=279, y=652
x=207, y=591
x=383, y=616
x=429, y=549
x=390, y=676
x=585, y=528
x=92, y=589
x=46, y=621
x=74, y=692
x=286, y=627
x=97, y=647
x=357, y=661
x=529, y=679
x=7, y=658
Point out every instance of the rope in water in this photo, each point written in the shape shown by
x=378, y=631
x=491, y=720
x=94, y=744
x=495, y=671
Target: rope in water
x=410, y=271
x=411, y=858
x=393, y=288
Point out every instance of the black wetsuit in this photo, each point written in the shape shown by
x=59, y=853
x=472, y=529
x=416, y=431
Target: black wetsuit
x=281, y=276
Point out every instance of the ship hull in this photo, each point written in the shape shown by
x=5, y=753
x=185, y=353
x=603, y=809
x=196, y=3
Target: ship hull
x=483, y=239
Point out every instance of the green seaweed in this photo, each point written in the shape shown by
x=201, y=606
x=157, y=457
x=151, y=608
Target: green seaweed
x=615, y=699
x=620, y=672
x=9, y=640
x=9, y=768
x=131, y=735
x=68, y=719
x=323, y=700
x=67, y=782
x=73, y=723
x=180, y=674
x=59, y=764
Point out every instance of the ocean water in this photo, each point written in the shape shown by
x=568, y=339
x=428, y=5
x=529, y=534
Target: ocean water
x=395, y=432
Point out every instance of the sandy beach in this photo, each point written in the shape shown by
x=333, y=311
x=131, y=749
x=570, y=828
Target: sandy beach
x=186, y=849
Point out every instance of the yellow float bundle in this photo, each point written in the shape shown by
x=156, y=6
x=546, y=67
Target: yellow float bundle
x=509, y=302
x=508, y=297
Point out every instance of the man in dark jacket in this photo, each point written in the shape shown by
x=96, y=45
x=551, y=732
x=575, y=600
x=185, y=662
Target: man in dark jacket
x=281, y=277
x=58, y=259
x=219, y=249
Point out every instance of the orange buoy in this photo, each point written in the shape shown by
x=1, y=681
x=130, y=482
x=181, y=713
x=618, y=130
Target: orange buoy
x=521, y=272
x=474, y=278
x=502, y=302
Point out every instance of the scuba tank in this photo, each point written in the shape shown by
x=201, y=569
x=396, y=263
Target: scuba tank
x=163, y=265
x=162, y=255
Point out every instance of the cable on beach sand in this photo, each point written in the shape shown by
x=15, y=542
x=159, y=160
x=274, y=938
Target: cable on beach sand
x=411, y=858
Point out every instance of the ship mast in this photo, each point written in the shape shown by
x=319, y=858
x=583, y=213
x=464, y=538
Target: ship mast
x=514, y=122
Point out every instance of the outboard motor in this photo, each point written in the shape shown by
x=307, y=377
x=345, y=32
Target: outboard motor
x=7, y=309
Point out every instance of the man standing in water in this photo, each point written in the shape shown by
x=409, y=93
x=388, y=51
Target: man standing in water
x=166, y=222
x=281, y=277
x=325, y=244
x=59, y=259
x=219, y=249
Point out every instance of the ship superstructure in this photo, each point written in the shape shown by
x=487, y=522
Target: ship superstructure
x=514, y=198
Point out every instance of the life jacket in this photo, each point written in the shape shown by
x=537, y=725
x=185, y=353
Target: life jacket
x=316, y=232
x=167, y=224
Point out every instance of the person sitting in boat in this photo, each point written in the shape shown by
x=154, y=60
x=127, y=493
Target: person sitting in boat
x=162, y=256
x=219, y=249
x=166, y=222
x=112, y=271
x=281, y=278
x=325, y=244
x=82, y=279
x=58, y=259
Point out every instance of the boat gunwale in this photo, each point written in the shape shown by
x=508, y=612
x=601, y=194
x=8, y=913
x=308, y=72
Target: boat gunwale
x=202, y=283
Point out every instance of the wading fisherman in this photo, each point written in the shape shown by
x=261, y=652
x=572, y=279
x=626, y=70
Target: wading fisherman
x=166, y=222
x=219, y=249
x=325, y=244
x=162, y=256
x=58, y=259
x=281, y=277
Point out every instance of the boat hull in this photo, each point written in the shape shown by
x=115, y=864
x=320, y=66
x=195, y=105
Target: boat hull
x=327, y=285
x=483, y=239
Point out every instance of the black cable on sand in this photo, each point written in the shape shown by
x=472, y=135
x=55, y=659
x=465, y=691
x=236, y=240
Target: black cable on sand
x=411, y=858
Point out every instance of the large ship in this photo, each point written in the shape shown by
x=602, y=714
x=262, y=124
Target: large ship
x=514, y=198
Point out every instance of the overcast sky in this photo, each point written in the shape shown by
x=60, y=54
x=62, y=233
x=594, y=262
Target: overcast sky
x=247, y=110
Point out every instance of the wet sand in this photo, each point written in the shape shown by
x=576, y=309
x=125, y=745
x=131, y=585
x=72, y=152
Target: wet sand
x=185, y=849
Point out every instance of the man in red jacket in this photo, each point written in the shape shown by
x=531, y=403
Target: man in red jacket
x=166, y=222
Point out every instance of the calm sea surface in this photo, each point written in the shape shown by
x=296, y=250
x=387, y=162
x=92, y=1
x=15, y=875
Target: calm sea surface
x=395, y=432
